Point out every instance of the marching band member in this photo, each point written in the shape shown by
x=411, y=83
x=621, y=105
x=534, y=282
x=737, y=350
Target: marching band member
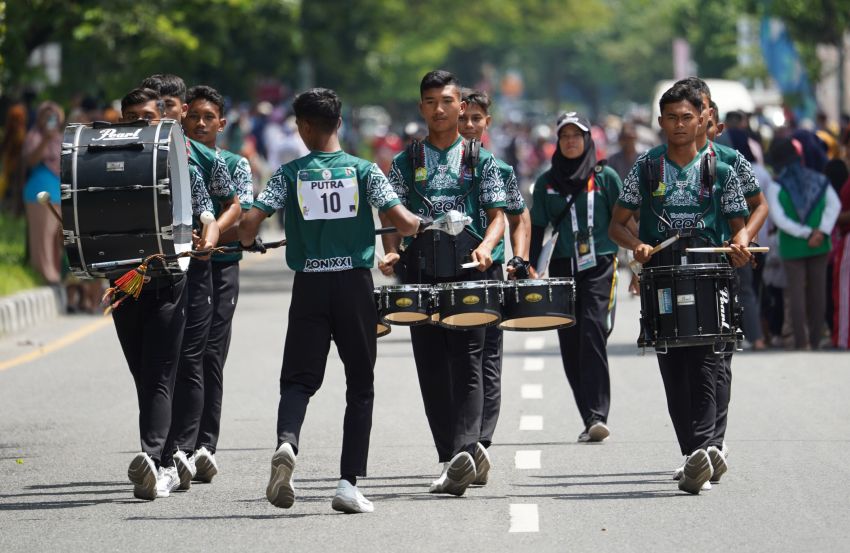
x=690, y=199
x=473, y=123
x=577, y=196
x=203, y=122
x=431, y=178
x=150, y=330
x=331, y=246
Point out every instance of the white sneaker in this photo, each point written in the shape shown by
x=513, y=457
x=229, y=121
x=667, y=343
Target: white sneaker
x=437, y=484
x=348, y=499
x=458, y=475
x=482, y=465
x=142, y=473
x=677, y=474
x=706, y=486
x=598, y=432
x=719, y=465
x=205, y=465
x=185, y=469
x=280, y=492
x=167, y=481
x=697, y=472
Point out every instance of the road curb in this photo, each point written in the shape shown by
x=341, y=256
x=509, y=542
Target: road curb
x=27, y=309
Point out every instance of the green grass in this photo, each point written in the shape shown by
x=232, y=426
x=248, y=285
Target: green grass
x=15, y=272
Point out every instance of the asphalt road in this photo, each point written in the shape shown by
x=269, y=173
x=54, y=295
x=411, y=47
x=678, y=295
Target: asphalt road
x=68, y=431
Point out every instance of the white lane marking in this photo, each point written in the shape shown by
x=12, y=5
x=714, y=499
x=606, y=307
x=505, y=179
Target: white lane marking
x=535, y=343
x=531, y=422
x=527, y=459
x=531, y=391
x=524, y=517
x=532, y=364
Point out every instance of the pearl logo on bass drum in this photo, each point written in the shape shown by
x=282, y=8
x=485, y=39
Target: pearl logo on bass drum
x=534, y=297
x=471, y=300
x=724, y=302
x=113, y=134
x=404, y=302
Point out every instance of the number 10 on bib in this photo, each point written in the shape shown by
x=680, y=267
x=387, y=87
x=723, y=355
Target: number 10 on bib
x=328, y=193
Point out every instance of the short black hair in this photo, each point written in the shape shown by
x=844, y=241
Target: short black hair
x=320, y=107
x=208, y=93
x=437, y=79
x=681, y=92
x=477, y=97
x=142, y=95
x=167, y=85
x=697, y=84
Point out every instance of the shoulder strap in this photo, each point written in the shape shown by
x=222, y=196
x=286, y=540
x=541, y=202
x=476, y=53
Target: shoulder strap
x=416, y=155
x=472, y=154
x=708, y=171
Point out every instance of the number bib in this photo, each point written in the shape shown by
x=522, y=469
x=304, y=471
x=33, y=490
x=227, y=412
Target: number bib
x=328, y=193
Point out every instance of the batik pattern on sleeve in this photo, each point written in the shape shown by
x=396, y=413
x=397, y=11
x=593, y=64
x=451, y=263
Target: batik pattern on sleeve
x=746, y=176
x=398, y=182
x=515, y=202
x=631, y=196
x=379, y=193
x=732, y=201
x=201, y=200
x=221, y=185
x=274, y=194
x=492, y=187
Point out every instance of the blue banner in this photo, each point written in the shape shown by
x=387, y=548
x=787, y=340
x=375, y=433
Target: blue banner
x=784, y=65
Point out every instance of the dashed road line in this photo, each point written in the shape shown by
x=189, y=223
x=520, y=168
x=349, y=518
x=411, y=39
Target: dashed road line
x=532, y=364
x=535, y=343
x=531, y=391
x=531, y=422
x=524, y=518
x=527, y=459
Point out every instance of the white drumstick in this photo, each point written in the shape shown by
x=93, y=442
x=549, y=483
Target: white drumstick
x=470, y=265
x=206, y=219
x=43, y=198
x=636, y=266
x=754, y=249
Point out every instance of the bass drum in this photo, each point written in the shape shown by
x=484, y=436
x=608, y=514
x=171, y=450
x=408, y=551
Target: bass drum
x=125, y=196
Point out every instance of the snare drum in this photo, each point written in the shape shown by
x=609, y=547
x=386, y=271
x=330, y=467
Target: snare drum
x=383, y=328
x=125, y=196
x=469, y=304
x=544, y=304
x=406, y=304
x=688, y=305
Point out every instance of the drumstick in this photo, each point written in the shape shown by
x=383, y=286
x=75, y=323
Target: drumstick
x=469, y=265
x=206, y=219
x=754, y=249
x=43, y=198
x=636, y=265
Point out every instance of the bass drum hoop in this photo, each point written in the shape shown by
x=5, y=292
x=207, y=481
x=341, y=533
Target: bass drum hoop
x=181, y=194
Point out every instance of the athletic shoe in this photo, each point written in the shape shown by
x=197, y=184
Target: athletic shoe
x=458, y=476
x=697, y=472
x=598, y=432
x=167, y=481
x=584, y=437
x=718, y=463
x=706, y=486
x=280, y=492
x=677, y=474
x=437, y=484
x=185, y=469
x=142, y=473
x=348, y=499
x=482, y=465
x=205, y=465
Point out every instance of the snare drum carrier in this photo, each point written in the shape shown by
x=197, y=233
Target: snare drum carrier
x=125, y=196
x=687, y=299
x=435, y=256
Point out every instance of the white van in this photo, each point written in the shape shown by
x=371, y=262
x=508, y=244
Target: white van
x=728, y=95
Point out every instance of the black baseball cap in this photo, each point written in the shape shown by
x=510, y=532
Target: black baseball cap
x=572, y=118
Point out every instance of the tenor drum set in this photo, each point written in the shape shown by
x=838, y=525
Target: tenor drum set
x=519, y=305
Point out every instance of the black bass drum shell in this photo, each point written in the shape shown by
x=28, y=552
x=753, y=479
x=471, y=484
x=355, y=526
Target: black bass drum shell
x=125, y=196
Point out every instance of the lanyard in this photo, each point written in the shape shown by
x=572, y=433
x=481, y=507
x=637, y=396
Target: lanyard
x=591, y=187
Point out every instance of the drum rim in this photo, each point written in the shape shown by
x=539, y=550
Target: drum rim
x=469, y=285
x=538, y=282
x=405, y=288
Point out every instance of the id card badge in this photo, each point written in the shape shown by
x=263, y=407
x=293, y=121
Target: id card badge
x=585, y=251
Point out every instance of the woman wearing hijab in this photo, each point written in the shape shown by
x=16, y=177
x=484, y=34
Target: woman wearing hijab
x=42, y=150
x=577, y=196
x=804, y=207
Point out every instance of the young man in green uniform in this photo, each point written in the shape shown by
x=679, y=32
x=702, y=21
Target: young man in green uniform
x=577, y=196
x=758, y=208
x=688, y=201
x=150, y=330
x=331, y=246
x=472, y=124
x=189, y=389
x=203, y=122
x=440, y=176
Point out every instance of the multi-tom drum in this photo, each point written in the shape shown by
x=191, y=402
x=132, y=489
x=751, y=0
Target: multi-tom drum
x=544, y=304
x=125, y=196
x=688, y=305
x=469, y=304
x=406, y=304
